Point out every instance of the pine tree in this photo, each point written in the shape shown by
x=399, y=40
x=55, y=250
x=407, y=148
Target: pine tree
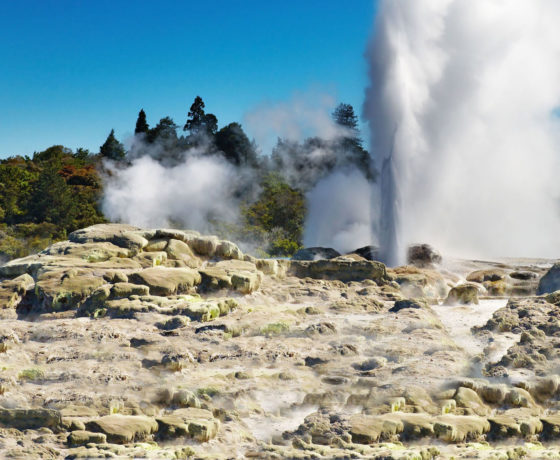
x=198, y=121
x=351, y=144
x=236, y=146
x=112, y=148
x=164, y=131
x=53, y=200
x=141, y=123
x=344, y=116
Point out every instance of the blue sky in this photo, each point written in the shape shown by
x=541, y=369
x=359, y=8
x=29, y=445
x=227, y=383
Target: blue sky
x=72, y=70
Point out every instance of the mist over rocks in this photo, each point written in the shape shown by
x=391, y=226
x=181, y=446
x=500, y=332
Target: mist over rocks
x=169, y=342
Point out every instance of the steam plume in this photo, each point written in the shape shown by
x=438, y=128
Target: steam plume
x=191, y=193
x=462, y=114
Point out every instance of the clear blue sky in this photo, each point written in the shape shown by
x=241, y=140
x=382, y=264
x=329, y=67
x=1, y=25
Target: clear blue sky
x=71, y=70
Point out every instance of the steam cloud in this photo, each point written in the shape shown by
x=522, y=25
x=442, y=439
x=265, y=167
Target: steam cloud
x=189, y=194
x=462, y=114
x=340, y=213
x=191, y=189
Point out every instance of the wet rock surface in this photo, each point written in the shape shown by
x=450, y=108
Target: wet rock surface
x=126, y=342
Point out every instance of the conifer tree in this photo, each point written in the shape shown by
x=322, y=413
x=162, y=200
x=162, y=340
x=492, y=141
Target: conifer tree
x=199, y=122
x=141, y=123
x=112, y=148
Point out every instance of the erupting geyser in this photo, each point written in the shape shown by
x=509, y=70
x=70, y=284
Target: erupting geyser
x=463, y=114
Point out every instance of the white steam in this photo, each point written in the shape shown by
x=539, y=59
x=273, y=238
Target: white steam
x=463, y=92
x=339, y=212
x=190, y=189
x=148, y=194
x=294, y=120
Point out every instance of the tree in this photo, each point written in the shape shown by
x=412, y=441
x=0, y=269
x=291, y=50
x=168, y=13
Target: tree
x=236, y=146
x=199, y=122
x=56, y=152
x=141, y=123
x=350, y=144
x=16, y=186
x=344, y=115
x=279, y=211
x=165, y=130
x=112, y=148
x=52, y=200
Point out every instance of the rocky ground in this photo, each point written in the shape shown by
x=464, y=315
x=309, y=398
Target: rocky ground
x=124, y=342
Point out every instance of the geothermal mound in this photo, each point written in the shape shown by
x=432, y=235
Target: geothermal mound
x=169, y=344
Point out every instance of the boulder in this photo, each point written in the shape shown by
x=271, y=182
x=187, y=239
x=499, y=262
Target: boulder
x=316, y=253
x=178, y=250
x=467, y=398
x=367, y=252
x=185, y=398
x=228, y=250
x=494, y=393
x=459, y=428
x=239, y=275
x=551, y=427
x=82, y=437
x=423, y=255
x=371, y=364
x=414, y=304
x=90, y=252
x=503, y=426
x=339, y=268
x=205, y=245
x=119, y=290
x=462, y=295
x=214, y=279
x=163, y=281
x=124, y=236
x=123, y=429
x=31, y=419
x=156, y=245
x=12, y=293
x=65, y=289
x=17, y=267
x=415, y=426
x=366, y=429
x=550, y=282
x=419, y=282
x=518, y=397
x=78, y=411
x=172, y=233
x=267, y=266
x=151, y=259
x=202, y=426
x=171, y=426
x=480, y=276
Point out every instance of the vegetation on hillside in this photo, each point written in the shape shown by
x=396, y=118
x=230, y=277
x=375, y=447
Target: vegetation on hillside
x=56, y=191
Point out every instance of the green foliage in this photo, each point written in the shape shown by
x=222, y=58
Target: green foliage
x=112, y=149
x=23, y=239
x=57, y=191
x=278, y=212
x=278, y=328
x=33, y=373
x=236, y=146
x=351, y=144
x=165, y=131
x=141, y=123
x=52, y=200
x=17, y=177
x=344, y=115
x=199, y=122
x=44, y=198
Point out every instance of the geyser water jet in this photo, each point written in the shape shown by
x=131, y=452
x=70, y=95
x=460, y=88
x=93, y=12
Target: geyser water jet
x=461, y=107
